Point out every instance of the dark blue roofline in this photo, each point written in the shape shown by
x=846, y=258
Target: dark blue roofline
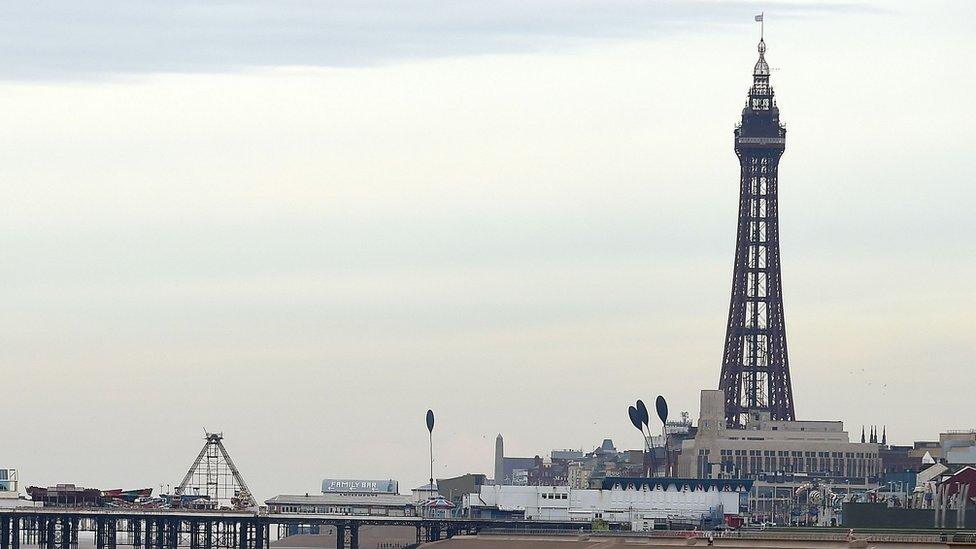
x=722, y=484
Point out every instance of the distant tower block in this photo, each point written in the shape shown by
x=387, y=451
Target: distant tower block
x=499, y=460
x=214, y=475
x=755, y=366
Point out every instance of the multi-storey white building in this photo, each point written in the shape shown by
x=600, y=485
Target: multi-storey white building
x=621, y=500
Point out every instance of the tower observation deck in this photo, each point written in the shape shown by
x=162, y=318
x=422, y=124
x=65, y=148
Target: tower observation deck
x=755, y=364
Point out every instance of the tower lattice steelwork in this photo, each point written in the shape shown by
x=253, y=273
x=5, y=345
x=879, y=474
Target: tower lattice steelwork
x=755, y=366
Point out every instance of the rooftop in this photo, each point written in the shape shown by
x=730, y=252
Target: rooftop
x=730, y=485
x=341, y=499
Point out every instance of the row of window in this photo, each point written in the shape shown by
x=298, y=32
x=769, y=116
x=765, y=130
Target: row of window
x=555, y=496
x=749, y=466
x=784, y=453
x=341, y=510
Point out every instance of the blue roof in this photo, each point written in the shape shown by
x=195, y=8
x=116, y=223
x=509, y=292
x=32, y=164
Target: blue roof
x=721, y=484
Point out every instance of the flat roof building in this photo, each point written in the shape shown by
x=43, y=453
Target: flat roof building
x=9, y=486
x=621, y=500
x=334, y=503
x=780, y=456
x=359, y=486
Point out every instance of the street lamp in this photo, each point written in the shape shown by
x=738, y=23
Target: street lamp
x=662, y=413
x=638, y=417
x=430, y=433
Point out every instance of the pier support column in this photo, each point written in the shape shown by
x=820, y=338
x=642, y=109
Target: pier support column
x=420, y=538
x=99, y=532
x=136, y=525
x=73, y=540
x=15, y=533
x=242, y=536
x=65, y=531
x=340, y=536
x=4, y=532
x=160, y=529
x=260, y=534
x=147, y=534
x=173, y=538
x=208, y=535
x=61, y=535
x=49, y=532
x=112, y=532
x=353, y=536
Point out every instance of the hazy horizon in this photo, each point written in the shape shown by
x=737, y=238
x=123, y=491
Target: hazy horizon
x=305, y=225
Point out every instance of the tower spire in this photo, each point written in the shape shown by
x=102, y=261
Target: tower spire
x=761, y=66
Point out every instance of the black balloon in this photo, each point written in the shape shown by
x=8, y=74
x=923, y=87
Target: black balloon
x=634, y=417
x=662, y=409
x=430, y=421
x=642, y=411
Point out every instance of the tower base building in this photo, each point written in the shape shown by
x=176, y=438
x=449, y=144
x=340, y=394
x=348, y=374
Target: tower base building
x=798, y=468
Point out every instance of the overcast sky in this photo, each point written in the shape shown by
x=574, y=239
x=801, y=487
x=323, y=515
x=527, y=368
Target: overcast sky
x=303, y=224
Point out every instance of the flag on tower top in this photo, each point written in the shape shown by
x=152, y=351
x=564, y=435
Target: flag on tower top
x=759, y=18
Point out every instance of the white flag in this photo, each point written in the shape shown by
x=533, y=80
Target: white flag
x=759, y=18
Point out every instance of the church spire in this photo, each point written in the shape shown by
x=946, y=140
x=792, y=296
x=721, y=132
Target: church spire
x=862, y=435
x=884, y=435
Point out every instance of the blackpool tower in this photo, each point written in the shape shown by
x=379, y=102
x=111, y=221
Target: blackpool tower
x=755, y=365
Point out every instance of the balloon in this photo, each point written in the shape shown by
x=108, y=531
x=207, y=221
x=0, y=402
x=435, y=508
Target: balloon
x=634, y=417
x=642, y=410
x=430, y=421
x=662, y=409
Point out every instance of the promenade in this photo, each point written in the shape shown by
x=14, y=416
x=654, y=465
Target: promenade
x=607, y=540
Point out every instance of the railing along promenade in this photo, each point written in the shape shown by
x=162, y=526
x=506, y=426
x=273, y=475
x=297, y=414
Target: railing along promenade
x=958, y=538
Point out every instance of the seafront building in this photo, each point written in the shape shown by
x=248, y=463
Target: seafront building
x=393, y=505
x=781, y=457
x=9, y=488
x=348, y=497
x=580, y=469
x=640, y=502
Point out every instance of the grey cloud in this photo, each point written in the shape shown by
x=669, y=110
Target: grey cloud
x=51, y=40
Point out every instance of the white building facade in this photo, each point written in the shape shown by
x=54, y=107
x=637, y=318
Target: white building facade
x=387, y=505
x=9, y=488
x=621, y=501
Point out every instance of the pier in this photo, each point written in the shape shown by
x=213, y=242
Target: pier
x=58, y=528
